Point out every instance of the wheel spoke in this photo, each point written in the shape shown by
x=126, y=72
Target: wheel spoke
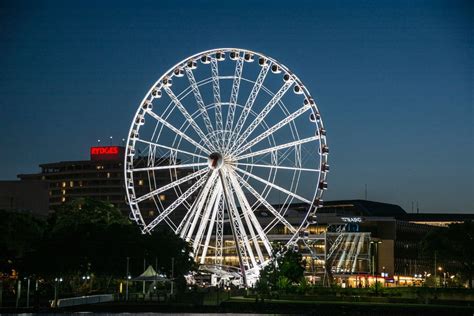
x=205, y=218
x=279, y=147
x=165, y=167
x=272, y=129
x=169, y=148
x=250, y=101
x=234, y=93
x=199, y=101
x=250, y=218
x=274, y=186
x=215, y=209
x=185, y=222
x=265, y=203
x=171, y=185
x=217, y=94
x=188, y=117
x=240, y=238
x=200, y=204
x=219, y=232
x=177, y=131
x=176, y=203
x=278, y=167
x=256, y=122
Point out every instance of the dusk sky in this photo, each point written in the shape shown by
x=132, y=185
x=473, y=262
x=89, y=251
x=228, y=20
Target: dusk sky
x=393, y=81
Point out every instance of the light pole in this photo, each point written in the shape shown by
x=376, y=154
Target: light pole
x=28, y=293
x=375, y=256
x=56, y=284
x=128, y=277
x=439, y=269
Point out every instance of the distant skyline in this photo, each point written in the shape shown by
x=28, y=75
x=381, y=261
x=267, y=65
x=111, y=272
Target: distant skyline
x=393, y=80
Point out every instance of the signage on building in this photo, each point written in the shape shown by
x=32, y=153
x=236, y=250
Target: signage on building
x=351, y=219
x=107, y=153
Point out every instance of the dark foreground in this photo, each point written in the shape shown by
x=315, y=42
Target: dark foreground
x=238, y=305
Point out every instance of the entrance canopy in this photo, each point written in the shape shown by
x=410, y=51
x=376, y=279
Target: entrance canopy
x=150, y=275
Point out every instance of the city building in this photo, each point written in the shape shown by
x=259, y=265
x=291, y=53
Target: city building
x=100, y=178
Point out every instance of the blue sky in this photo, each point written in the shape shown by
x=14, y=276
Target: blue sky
x=393, y=81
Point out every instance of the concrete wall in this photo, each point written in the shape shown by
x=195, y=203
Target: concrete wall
x=386, y=256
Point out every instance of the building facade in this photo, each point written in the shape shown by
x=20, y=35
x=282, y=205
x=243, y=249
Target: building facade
x=100, y=178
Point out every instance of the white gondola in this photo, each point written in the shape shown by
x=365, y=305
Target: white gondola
x=205, y=59
x=324, y=149
x=315, y=117
x=325, y=167
x=276, y=69
x=147, y=105
x=156, y=93
x=309, y=101
x=140, y=120
x=220, y=56
x=323, y=185
x=248, y=57
x=167, y=82
x=234, y=55
x=191, y=64
x=298, y=89
x=178, y=72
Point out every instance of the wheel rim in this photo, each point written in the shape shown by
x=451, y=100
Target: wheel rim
x=217, y=141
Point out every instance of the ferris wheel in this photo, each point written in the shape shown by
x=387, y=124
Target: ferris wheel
x=221, y=148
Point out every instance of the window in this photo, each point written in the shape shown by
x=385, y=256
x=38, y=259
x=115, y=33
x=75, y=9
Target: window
x=108, y=175
x=162, y=197
x=80, y=183
x=140, y=182
x=63, y=184
x=71, y=184
x=63, y=199
x=63, y=192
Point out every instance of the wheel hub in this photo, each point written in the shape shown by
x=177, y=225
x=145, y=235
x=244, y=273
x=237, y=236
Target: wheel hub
x=215, y=160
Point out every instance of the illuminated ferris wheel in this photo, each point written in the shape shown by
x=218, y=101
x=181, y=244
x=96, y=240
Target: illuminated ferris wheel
x=222, y=146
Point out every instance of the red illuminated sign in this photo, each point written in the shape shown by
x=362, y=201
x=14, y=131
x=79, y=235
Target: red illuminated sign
x=106, y=152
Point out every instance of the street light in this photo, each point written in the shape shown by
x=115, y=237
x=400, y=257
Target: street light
x=375, y=256
x=56, y=283
x=128, y=278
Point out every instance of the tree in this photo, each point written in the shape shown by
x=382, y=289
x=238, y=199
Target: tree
x=453, y=245
x=87, y=211
x=94, y=238
x=19, y=234
x=281, y=272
